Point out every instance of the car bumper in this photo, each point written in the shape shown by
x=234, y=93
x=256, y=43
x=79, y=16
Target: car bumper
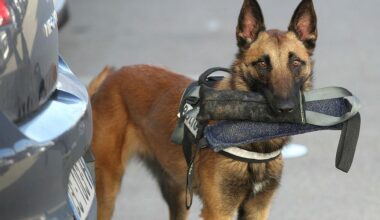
x=38, y=153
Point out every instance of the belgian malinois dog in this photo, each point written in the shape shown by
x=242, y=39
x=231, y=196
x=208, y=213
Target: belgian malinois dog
x=135, y=112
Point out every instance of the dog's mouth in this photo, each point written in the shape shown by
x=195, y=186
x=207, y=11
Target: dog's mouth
x=279, y=105
x=284, y=105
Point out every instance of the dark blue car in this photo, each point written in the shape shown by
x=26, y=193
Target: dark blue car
x=46, y=167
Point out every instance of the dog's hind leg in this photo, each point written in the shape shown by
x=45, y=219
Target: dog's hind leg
x=107, y=186
x=109, y=170
x=112, y=147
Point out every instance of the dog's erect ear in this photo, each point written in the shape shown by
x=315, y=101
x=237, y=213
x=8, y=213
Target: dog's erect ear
x=250, y=23
x=304, y=24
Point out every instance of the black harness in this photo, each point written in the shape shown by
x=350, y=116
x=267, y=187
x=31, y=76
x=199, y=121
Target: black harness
x=245, y=117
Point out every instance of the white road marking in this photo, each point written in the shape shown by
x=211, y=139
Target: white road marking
x=294, y=151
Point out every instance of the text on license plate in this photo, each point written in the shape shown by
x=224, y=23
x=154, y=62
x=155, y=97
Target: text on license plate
x=81, y=189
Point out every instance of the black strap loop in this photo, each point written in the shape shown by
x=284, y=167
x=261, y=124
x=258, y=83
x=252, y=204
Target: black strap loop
x=187, y=143
x=347, y=143
x=203, y=77
x=189, y=179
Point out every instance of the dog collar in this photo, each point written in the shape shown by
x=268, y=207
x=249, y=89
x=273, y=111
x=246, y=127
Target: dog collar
x=249, y=156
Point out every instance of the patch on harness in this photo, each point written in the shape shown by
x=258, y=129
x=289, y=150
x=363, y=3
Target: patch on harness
x=191, y=118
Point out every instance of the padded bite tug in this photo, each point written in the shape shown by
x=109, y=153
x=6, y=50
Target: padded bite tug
x=241, y=118
x=229, y=133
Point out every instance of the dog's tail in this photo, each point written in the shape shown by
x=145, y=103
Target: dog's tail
x=98, y=80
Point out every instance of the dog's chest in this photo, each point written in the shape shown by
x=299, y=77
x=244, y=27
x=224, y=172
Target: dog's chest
x=241, y=178
x=258, y=187
x=258, y=177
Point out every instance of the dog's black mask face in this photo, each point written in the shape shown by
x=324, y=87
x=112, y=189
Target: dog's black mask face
x=276, y=63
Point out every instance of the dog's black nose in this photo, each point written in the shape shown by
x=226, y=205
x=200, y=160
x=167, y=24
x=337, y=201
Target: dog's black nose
x=285, y=106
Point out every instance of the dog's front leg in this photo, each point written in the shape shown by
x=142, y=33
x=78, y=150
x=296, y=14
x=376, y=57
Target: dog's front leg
x=218, y=190
x=257, y=207
x=216, y=206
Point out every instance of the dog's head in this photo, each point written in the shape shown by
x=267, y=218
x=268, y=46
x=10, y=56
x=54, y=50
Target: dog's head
x=276, y=63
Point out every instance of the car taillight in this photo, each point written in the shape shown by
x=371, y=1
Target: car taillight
x=5, y=15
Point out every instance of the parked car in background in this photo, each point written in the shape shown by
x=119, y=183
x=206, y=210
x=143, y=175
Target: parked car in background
x=45, y=120
x=62, y=9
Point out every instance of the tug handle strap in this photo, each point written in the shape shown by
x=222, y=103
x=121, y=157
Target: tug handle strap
x=329, y=106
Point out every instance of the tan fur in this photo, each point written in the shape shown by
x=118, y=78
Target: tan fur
x=95, y=83
x=134, y=114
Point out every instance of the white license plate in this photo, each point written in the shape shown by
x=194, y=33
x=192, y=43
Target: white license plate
x=81, y=189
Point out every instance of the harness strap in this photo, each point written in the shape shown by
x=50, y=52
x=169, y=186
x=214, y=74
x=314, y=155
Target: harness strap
x=187, y=143
x=187, y=150
x=249, y=156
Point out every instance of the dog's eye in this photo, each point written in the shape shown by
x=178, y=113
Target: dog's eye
x=296, y=63
x=262, y=64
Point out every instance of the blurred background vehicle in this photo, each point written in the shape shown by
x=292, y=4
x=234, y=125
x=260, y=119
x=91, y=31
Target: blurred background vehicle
x=62, y=8
x=45, y=120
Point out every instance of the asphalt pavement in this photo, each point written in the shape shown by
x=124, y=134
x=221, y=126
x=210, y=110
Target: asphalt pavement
x=191, y=36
